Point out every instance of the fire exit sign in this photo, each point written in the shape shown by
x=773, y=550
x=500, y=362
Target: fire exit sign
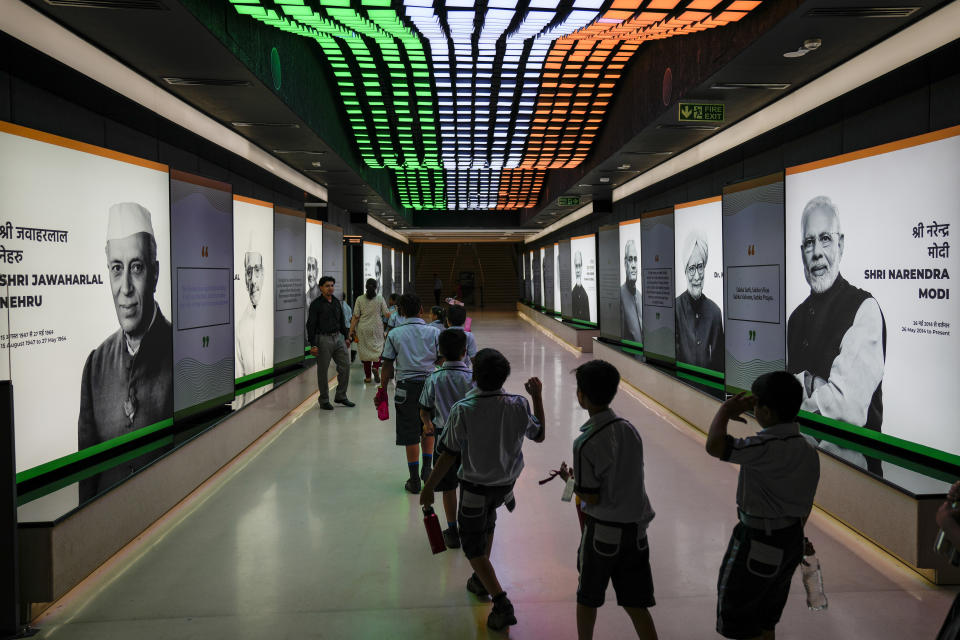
x=698, y=112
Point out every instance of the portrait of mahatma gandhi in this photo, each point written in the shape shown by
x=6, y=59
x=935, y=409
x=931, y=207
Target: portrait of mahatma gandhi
x=836, y=337
x=127, y=381
x=699, y=328
x=631, y=303
x=253, y=275
x=377, y=271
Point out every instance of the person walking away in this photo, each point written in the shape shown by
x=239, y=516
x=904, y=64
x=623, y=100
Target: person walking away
x=443, y=388
x=410, y=354
x=437, y=287
x=608, y=468
x=369, y=312
x=487, y=429
x=779, y=473
x=456, y=317
x=329, y=339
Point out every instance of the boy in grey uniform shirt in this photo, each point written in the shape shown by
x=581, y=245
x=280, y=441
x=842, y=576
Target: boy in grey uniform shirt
x=410, y=353
x=779, y=472
x=445, y=387
x=608, y=468
x=487, y=428
x=456, y=317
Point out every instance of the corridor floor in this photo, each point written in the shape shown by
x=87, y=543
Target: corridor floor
x=312, y=536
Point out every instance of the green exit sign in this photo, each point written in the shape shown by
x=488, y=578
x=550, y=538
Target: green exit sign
x=697, y=112
x=569, y=201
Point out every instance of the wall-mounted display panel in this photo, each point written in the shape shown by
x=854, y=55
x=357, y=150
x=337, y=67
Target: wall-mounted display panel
x=373, y=264
x=387, y=276
x=698, y=269
x=608, y=288
x=566, y=285
x=754, y=318
x=289, y=251
x=86, y=291
x=583, y=266
x=544, y=266
x=396, y=259
x=631, y=284
x=410, y=288
x=872, y=324
x=556, y=277
x=657, y=263
x=537, y=277
x=253, y=287
x=201, y=219
x=333, y=256
x=314, y=258
x=547, y=262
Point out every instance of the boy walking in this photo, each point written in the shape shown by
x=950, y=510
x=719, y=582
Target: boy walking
x=443, y=388
x=779, y=472
x=608, y=463
x=487, y=429
x=456, y=317
x=409, y=352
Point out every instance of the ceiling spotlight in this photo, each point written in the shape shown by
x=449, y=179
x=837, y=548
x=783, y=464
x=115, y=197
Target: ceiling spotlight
x=604, y=179
x=316, y=164
x=623, y=167
x=808, y=45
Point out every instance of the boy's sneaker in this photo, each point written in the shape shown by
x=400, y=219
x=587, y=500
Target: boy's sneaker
x=412, y=485
x=502, y=615
x=474, y=585
x=451, y=538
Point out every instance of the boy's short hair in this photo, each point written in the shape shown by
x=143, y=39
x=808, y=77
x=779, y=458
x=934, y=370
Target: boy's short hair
x=437, y=311
x=490, y=369
x=598, y=380
x=780, y=392
x=456, y=315
x=452, y=344
x=325, y=279
x=393, y=298
x=409, y=305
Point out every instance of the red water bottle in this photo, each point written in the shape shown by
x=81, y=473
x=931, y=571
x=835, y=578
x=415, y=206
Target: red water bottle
x=434, y=534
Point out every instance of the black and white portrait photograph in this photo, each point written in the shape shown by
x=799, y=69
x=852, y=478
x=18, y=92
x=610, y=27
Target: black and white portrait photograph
x=698, y=229
x=631, y=291
x=253, y=291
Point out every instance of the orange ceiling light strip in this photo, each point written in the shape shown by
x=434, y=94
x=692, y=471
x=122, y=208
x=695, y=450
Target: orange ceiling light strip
x=589, y=63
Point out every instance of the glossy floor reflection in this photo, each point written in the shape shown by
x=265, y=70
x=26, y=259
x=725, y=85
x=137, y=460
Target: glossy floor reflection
x=313, y=536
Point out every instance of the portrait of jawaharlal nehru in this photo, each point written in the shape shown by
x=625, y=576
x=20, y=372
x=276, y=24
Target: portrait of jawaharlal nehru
x=128, y=380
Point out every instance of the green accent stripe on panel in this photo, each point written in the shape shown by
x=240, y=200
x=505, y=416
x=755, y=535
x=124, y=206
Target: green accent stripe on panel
x=704, y=381
x=631, y=343
x=692, y=367
x=47, y=489
x=59, y=463
x=287, y=363
x=240, y=381
x=900, y=443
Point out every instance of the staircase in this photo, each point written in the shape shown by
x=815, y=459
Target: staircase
x=494, y=266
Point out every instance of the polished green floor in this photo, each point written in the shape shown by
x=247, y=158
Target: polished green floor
x=312, y=536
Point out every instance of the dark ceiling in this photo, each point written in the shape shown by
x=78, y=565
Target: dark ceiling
x=291, y=103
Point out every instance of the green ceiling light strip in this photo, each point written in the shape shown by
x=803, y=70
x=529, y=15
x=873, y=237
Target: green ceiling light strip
x=385, y=82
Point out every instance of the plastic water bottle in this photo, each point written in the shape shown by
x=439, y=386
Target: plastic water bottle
x=812, y=578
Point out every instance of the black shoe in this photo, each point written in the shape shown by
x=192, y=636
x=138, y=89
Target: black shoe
x=474, y=585
x=346, y=403
x=502, y=615
x=326, y=405
x=451, y=538
x=412, y=485
x=376, y=375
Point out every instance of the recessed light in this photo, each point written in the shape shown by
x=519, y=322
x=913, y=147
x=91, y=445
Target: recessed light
x=316, y=164
x=623, y=167
x=206, y=82
x=647, y=153
x=272, y=125
x=300, y=152
x=689, y=127
x=604, y=179
x=772, y=86
x=808, y=46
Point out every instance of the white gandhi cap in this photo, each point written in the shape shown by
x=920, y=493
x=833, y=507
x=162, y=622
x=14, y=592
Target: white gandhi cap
x=126, y=219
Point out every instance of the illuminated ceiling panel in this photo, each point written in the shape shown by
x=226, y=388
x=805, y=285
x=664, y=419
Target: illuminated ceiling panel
x=470, y=104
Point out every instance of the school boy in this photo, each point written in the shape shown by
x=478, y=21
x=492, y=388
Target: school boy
x=409, y=353
x=443, y=388
x=779, y=472
x=456, y=317
x=608, y=467
x=487, y=429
